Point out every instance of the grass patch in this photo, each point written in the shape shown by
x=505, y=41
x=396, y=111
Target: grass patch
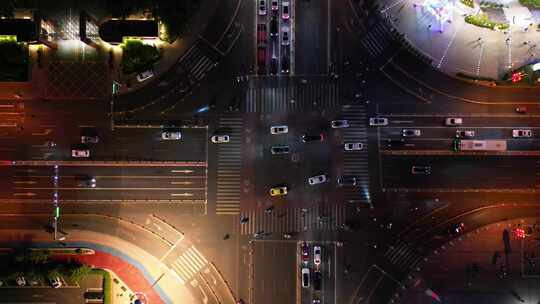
x=138, y=57
x=107, y=290
x=482, y=20
x=14, y=58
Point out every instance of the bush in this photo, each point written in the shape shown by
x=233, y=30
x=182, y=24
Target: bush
x=107, y=297
x=138, y=57
x=530, y=3
x=482, y=20
x=469, y=3
x=14, y=60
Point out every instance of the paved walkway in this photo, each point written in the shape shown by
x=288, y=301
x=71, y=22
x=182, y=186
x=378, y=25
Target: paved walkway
x=479, y=268
x=461, y=47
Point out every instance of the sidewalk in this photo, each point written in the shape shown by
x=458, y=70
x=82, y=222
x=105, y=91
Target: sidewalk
x=141, y=271
x=479, y=268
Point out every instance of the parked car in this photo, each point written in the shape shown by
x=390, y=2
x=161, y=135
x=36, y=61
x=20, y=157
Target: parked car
x=56, y=283
x=521, y=110
x=337, y=124
x=171, y=135
x=424, y=170
x=353, y=146
x=305, y=252
x=274, y=130
x=285, y=69
x=280, y=150
x=453, y=121
x=317, y=179
x=378, y=121
x=90, y=139
x=305, y=277
x=261, y=56
x=275, y=5
x=317, y=281
x=520, y=133
x=310, y=138
x=262, y=7
x=145, y=75
x=262, y=41
x=219, y=139
x=80, y=153
x=317, y=255
x=285, y=10
x=20, y=281
x=285, y=39
x=273, y=27
x=279, y=191
x=347, y=180
x=465, y=133
x=274, y=66
x=50, y=144
x=411, y=132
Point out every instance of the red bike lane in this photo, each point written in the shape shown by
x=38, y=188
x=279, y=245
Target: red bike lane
x=128, y=273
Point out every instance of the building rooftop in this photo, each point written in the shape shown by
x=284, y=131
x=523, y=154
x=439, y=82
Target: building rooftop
x=114, y=30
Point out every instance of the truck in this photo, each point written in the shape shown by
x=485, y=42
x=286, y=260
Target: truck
x=479, y=145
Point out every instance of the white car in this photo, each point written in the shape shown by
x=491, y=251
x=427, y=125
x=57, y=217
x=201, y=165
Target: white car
x=317, y=255
x=453, y=121
x=411, y=132
x=378, y=121
x=219, y=139
x=20, y=281
x=279, y=130
x=262, y=7
x=285, y=14
x=317, y=179
x=56, y=283
x=521, y=133
x=285, y=36
x=353, y=146
x=337, y=124
x=305, y=277
x=465, y=133
x=145, y=75
x=171, y=135
x=78, y=153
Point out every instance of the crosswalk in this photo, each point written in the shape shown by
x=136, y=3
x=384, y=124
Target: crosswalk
x=199, y=60
x=290, y=220
x=378, y=39
x=229, y=167
x=355, y=163
x=188, y=264
x=403, y=256
x=268, y=95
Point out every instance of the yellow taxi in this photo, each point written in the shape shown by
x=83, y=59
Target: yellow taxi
x=278, y=191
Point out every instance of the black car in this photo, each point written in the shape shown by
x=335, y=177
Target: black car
x=394, y=143
x=310, y=138
x=274, y=66
x=347, y=180
x=273, y=27
x=317, y=281
x=280, y=150
x=285, y=65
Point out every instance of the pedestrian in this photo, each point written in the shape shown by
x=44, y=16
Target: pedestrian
x=226, y=236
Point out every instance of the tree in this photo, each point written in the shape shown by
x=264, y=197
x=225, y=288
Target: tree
x=79, y=272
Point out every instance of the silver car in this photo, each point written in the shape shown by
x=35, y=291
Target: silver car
x=353, y=146
x=378, y=121
x=337, y=124
x=171, y=135
x=317, y=179
x=411, y=132
x=279, y=130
